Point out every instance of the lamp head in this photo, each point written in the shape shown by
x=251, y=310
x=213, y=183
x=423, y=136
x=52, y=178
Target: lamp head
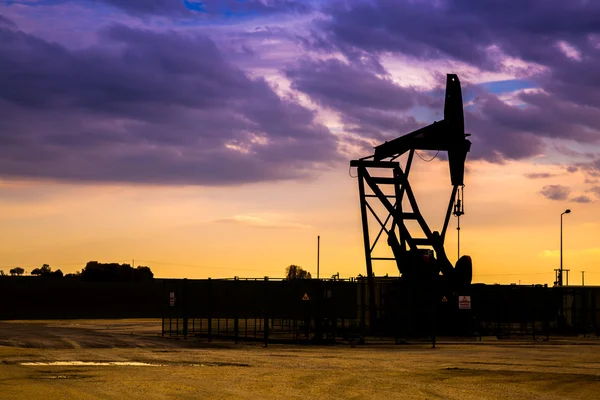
x=567, y=211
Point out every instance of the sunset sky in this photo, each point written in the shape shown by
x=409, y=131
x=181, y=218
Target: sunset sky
x=213, y=138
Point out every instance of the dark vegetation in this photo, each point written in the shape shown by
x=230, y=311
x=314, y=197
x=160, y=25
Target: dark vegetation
x=296, y=272
x=46, y=271
x=113, y=272
x=93, y=272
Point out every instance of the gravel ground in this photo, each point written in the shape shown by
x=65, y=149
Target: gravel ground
x=127, y=360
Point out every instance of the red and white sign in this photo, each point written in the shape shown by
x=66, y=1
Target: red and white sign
x=464, y=302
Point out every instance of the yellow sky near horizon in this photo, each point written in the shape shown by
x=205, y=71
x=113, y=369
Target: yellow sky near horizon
x=510, y=230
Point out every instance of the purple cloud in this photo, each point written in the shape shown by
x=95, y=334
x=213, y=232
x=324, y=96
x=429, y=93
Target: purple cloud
x=555, y=192
x=143, y=106
x=210, y=7
x=554, y=34
x=157, y=7
x=581, y=199
x=7, y=22
x=596, y=191
x=182, y=102
x=591, y=169
x=369, y=105
x=572, y=169
x=539, y=175
x=460, y=30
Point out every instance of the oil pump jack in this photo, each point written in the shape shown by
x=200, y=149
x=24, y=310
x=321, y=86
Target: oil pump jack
x=421, y=261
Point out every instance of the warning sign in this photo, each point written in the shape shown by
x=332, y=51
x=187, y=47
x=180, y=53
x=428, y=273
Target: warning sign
x=464, y=302
x=305, y=297
x=444, y=299
x=172, y=299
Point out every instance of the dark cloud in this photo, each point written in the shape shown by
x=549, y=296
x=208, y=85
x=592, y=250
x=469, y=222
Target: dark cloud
x=581, y=199
x=596, y=191
x=373, y=106
x=156, y=7
x=339, y=85
x=147, y=107
x=555, y=192
x=572, y=169
x=539, y=175
x=554, y=34
x=591, y=169
x=4, y=21
x=210, y=7
x=417, y=28
x=369, y=104
x=460, y=30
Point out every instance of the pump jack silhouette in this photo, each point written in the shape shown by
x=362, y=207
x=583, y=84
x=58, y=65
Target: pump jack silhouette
x=414, y=256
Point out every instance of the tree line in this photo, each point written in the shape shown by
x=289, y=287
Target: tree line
x=93, y=272
x=114, y=272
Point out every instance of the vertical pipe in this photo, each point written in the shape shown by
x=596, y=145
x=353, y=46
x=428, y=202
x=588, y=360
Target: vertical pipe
x=266, y=311
x=458, y=231
x=363, y=308
x=582, y=278
x=236, y=322
x=184, y=308
x=318, y=253
x=209, y=292
x=163, y=313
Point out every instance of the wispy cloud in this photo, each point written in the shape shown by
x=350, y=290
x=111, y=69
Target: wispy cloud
x=539, y=175
x=581, y=199
x=271, y=221
x=556, y=253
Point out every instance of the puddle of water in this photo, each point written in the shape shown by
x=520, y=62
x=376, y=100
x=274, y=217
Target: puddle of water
x=92, y=364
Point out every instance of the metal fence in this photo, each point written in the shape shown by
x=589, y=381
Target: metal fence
x=312, y=310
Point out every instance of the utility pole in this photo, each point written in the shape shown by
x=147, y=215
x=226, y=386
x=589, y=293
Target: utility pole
x=560, y=276
x=318, y=254
x=582, y=278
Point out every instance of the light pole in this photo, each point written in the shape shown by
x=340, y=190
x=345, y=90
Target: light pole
x=560, y=281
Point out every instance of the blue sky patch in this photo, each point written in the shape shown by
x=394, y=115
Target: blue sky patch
x=499, y=87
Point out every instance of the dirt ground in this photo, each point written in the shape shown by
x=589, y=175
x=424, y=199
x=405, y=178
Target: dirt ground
x=126, y=359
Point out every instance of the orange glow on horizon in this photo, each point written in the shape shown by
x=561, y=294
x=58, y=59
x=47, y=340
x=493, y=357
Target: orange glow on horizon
x=509, y=229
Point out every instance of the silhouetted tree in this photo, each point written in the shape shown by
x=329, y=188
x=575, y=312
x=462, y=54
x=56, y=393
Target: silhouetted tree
x=113, y=272
x=75, y=275
x=17, y=271
x=44, y=270
x=142, y=273
x=296, y=272
x=2, y=272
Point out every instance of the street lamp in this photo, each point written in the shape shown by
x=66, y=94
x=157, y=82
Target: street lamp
x=560, y=281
